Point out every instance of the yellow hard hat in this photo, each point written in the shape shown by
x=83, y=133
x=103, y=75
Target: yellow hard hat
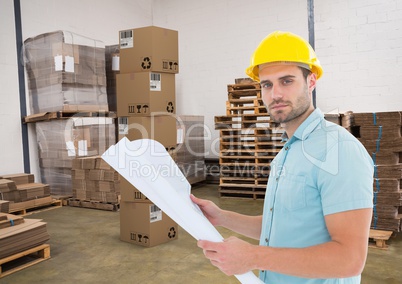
x=283, y=47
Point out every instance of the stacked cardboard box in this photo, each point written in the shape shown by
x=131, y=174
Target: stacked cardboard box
x=380, y=133
x=146, y=105
x=21, y=192
x=60, y=141
x=66, y=72
x=95, y=180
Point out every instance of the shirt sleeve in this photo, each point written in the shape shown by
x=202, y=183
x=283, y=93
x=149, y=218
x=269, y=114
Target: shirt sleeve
x=345, y=178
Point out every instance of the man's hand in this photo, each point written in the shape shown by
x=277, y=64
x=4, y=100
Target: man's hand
x=232, y=256
x=213, y=213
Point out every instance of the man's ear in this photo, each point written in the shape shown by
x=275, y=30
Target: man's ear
x=312, y=81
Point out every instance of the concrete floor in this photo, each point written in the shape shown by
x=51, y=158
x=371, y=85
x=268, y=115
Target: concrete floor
x=85, y=248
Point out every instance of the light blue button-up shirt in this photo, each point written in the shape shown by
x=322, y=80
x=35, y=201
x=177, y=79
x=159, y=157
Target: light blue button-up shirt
x=322, y=169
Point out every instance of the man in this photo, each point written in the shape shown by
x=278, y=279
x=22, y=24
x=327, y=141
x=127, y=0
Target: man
x=318, y=202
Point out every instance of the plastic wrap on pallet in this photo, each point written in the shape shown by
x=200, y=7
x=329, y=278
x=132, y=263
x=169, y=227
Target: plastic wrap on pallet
x=190, y=155
x=65, y=72
x=112, y=57
x=60, y=141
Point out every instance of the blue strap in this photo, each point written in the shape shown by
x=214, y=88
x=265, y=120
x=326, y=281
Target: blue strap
x=376, y=191
x=12, y=222
x=375, y=171
x=380, y=132
x=377, y=146
x=373, y=156
x=374, y=118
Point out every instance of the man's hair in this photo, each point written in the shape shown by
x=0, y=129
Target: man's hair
x=305, y=72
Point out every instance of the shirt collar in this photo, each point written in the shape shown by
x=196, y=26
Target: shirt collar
x=307, y=126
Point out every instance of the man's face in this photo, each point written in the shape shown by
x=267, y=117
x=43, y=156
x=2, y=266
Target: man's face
x=285, y=92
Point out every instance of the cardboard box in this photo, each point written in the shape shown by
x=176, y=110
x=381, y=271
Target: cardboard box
x=130, y=193
x=145, y=224
x=161, y=128
x=142, y=93
x=149, y=49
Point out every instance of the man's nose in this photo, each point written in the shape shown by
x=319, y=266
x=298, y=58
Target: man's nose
x=276, y=92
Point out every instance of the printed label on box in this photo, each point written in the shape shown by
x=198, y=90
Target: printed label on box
x=126, y=39
x=155, y=83
x=69, y=64
x=116, y=63
x=155, y=213
x=58, y=63
x=123, y=125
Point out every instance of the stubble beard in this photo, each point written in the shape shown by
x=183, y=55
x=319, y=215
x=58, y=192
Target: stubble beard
x=301, y=107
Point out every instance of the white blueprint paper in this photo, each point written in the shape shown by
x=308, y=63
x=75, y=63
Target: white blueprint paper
x=148, y=166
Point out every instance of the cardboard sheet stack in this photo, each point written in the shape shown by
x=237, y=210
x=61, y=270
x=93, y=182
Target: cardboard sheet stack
x=190, y=155
x=146, y=95
x=95, y=180
x=66, y=72
x=60, y=141
x=18, y=234
x=380, y=133
x=21, y=192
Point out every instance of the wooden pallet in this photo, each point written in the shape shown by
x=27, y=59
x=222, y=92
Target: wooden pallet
x=251, y=86
x=243, y=121
x=257, y=107
x=242, y=192
x=94, y=204
x=45, y=116
x=24, y=259
x=378, y=238
x=53, y=204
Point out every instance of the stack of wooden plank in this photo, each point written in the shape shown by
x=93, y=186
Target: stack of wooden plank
x=249, y=140
x=380, y=133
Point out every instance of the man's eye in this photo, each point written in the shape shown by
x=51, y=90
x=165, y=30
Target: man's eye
x=266, y=85
x=287, y=82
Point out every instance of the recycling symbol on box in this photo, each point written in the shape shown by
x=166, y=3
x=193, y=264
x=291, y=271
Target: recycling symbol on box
x=170, y=107
x=172, y=233
x=146, y=63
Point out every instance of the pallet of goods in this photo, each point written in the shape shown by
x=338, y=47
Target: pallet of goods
x=19, y=193
x=249, y=141
x=95, y=184
x=22, y=243
x=67, y=85
x=380, y=133
x=190, y=154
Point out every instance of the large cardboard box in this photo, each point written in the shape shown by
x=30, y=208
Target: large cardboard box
x=142, y=93
x=161, y=128
x=149, y=49
x=145, y=224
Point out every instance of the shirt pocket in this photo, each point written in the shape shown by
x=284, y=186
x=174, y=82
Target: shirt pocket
x=292, y=192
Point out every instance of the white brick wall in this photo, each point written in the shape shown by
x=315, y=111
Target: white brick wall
x=359, y=44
